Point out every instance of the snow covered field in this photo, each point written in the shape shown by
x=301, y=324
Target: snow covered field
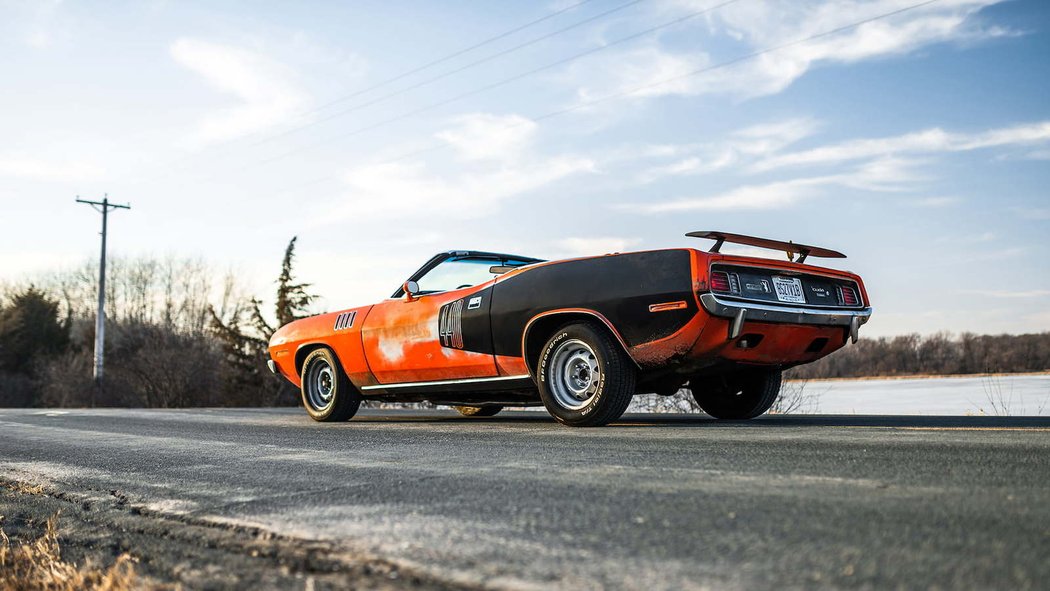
x=991, y=395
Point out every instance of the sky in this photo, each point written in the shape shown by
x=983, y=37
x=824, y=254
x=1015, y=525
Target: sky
x=914, y=138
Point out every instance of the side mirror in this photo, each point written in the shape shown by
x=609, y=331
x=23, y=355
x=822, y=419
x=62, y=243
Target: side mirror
x=411, y=289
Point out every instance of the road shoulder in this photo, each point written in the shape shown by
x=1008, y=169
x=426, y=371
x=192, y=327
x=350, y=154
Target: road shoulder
x=99, y=526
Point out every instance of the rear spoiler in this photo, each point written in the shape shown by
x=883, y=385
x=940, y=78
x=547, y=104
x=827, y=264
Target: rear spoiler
x=792, y=248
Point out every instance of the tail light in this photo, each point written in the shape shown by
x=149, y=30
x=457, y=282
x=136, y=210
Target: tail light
x=849, y=297
x=720, y=281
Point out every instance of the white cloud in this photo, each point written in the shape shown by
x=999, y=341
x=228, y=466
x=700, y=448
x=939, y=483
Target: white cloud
x=880, y=165
x=762, y=25
x=749, y=142
x=751, y=251
x=686, y=166
x=773, y=23
x=921, y=142
x=25, y=265
x=1024, y=294
x=637, y=68
x=882, y=175
x=39, y=24
x=576, y=246
x=489, y=172
x=14, y=166
x=935, y=201
x=484, y=136
x=267, y=90
x=1033, y=213
x=766, y=138
x=400, y=190
x=776, y=195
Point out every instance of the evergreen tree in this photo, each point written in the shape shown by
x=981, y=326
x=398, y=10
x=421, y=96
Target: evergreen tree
x=293, y=301
x=29, y=326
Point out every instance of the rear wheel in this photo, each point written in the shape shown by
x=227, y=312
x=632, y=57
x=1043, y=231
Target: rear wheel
x=328, y=394
x=585, y=378
x=489, y=410
x=741, y=395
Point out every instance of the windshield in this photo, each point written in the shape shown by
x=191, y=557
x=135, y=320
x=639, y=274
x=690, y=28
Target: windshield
x=455, y=274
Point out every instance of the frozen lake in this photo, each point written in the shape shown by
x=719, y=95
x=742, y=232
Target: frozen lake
x=991, y=395
x=996, y=395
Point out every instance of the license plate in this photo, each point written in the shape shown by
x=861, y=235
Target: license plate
x=789, y=289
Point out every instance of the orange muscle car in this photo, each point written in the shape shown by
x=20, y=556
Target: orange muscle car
x=481, y=331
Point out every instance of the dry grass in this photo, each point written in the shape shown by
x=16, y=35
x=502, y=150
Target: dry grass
x=37, y=566
x=25, y=488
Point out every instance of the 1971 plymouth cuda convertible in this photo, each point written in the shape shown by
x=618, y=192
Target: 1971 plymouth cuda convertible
x=481, y=331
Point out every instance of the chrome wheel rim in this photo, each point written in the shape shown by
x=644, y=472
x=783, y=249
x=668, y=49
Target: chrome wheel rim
x=574, y=374
x=320, y=385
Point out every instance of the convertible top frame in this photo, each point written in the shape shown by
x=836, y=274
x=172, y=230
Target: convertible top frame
x=500, y=259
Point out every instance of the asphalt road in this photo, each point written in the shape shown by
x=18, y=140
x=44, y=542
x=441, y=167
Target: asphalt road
x=653, y=502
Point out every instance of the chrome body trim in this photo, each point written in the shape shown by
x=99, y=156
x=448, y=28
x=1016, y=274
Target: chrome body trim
x=737, y=326
x=273, y=366
x=755, y=312
x=446, y=382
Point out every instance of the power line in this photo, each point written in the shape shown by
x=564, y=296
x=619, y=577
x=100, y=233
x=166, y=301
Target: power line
x=446, y=74
x=498, y=84
x=636, y=89
x=733, y=61
x=303, y=114
x=482, y=89
x=705, y=69
x=449, y=56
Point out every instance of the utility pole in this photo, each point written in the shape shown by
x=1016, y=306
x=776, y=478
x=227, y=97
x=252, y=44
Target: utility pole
x=102, y=207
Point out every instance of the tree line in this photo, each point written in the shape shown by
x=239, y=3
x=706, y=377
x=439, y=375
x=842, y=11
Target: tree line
x=174, y=338
x=936, y=354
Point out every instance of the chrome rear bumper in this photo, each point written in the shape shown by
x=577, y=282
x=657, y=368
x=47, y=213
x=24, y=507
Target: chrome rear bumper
x=759, y=312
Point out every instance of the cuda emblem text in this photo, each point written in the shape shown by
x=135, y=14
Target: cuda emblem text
x=450, y=325
x=474, y=303
x=345, y=320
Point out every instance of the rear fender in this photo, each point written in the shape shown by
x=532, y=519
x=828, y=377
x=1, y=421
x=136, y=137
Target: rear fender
x=541, y=326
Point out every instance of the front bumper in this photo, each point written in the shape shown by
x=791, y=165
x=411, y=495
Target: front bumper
x=740, y=312
x=272, y=366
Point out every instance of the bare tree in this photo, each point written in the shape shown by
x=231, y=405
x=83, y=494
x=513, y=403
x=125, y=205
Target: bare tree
x=795, y=399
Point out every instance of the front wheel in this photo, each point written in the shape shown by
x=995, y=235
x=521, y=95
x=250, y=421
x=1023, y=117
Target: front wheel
x=328, y=394
x=741, y=395
x=585, y=378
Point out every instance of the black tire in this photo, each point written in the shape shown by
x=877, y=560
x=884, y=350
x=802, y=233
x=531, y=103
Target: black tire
x=321, y=369
x=600, y=366
x=737, y=396
x=489, y=410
